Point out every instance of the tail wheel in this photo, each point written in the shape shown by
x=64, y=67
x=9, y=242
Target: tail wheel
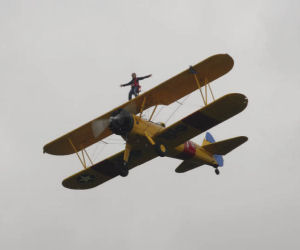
x=161, y=150
x=217, y=171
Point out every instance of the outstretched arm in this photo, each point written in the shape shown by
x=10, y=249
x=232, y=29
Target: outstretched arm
x=126, y=84
x=144, y=77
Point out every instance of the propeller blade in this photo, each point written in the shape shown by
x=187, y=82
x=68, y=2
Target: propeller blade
x=99, y=126
x=131, y=108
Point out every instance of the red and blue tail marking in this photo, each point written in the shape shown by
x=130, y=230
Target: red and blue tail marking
x=219, y=158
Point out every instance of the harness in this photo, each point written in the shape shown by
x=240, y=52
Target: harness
x=136, y=84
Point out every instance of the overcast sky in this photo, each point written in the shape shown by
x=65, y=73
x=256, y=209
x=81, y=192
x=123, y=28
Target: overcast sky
x=61, y=64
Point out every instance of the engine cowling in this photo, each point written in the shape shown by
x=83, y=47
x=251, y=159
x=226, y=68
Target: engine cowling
x=121, y=122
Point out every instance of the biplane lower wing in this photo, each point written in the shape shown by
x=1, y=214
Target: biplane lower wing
x=178, y=133
x=164, y=94
x=106, y=170
x=95, y=175
x=202, y=120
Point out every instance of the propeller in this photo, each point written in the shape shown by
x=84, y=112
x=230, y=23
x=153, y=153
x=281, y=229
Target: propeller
x=120, y=121
x=98, y=126
x=131, y=108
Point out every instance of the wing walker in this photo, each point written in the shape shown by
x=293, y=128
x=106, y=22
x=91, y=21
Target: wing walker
x=146, y=140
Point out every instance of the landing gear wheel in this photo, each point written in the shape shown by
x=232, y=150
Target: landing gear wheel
x=124, y=170
x=161, y=150
x=217, y=171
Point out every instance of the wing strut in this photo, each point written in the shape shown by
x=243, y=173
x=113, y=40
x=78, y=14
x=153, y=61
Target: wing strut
x=142, y=107
x=206, y=82
x=152, y=113
x=210, y=91
x=83, y=152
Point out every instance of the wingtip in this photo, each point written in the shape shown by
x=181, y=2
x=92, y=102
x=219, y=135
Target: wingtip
x=44, y=149
x=66, y=184
x=244, y=138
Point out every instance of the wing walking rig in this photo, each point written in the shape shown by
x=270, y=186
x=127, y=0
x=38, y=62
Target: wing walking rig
x=146, y=140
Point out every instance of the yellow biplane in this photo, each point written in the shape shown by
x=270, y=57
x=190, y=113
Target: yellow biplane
x=145, y=139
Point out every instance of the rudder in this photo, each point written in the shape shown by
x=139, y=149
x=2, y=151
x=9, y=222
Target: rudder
x=209, y=140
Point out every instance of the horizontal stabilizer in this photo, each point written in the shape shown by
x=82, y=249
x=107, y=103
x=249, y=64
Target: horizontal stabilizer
x=226, y=146
x=186, y=166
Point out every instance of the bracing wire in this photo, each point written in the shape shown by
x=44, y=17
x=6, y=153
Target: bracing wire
x=180, y=104
x=161, y=108
x=96, y=149
x=115, y=141
x=111, y=141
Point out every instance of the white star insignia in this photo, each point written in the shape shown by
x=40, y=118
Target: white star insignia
x=86, y=178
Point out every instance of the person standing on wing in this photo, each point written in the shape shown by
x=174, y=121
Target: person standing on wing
x=135, y=86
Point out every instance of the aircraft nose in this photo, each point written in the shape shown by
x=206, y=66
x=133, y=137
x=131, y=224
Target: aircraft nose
x=115, y=122
x=121, y=122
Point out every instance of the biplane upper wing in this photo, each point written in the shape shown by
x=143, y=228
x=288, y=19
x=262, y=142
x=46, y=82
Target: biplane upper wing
x=83, y=136
x=163, y=94
x=202, y=120
x=106, y=169
x=184, y=83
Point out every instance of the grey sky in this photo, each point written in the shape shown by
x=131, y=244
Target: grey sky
x=61, y=64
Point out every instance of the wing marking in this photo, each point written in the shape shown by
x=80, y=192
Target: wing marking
x=106, y=169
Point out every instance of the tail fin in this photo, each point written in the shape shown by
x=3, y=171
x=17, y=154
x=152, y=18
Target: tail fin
x=209, y=140
x=222, y=147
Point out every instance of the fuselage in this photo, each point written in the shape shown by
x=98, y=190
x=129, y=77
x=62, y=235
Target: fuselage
x=141, y=130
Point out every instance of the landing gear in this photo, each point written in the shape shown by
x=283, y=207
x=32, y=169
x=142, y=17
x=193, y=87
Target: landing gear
x=217, y=171
x=124, y=170
x=161, y=150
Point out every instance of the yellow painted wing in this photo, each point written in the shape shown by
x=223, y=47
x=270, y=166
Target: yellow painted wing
x=163, y=94
x=184, y=83
x=107, y=169
x=202, y=120
x=83, y=136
